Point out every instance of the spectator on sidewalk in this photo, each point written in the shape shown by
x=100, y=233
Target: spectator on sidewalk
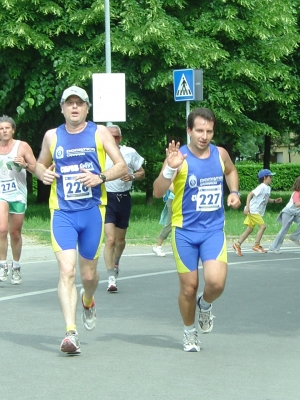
x=255, y=208
x=166, y=220
x=290, y=214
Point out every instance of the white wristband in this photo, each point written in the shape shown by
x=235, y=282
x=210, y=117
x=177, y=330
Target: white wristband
x=168, y=172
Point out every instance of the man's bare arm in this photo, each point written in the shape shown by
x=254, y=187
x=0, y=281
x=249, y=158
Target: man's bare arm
x=232, y=179
x=25, y=157
x=44, y=169
x=119, y=168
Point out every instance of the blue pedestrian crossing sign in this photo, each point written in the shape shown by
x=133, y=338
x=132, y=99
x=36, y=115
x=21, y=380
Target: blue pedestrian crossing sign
x=184, y=84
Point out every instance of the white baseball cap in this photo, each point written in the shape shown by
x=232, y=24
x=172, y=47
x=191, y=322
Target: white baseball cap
x=75, y=91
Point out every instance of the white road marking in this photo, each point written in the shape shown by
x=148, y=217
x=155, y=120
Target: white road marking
x=39, y=292
x=18, y=296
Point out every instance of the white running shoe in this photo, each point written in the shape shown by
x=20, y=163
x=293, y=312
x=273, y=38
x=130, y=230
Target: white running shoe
x=16, y=278
x=112, y=284
x=274, y=250
x=4, y=272
x=158, y=251
x=191, y=341
x=205, y=318
x=88, y=316
x=70, y=344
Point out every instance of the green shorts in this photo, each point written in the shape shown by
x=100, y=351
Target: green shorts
x=15, y=207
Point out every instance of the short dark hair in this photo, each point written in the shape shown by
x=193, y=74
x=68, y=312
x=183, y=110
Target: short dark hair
x=204, y=113
x=6, y=118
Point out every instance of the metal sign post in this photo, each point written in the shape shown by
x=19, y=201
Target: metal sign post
x=188, y=85
x=107, y=42
x=109, y=90
x=188, y=110
x=107, y=38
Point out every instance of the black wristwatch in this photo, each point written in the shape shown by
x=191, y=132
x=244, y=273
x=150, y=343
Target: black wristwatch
x=103, y=177
x=235, y=192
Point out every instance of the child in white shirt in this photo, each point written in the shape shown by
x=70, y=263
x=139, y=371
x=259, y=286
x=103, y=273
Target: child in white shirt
x=255, y=208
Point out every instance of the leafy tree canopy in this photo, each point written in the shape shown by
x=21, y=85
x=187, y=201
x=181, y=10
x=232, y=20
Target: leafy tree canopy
x=246, y=48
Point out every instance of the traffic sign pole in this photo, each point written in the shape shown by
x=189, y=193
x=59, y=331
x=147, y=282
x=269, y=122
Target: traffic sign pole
x=107, y=42
x=187, y=114
x=188, y=85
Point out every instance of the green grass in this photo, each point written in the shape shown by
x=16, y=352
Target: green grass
x=37, y=221
x=144, y=222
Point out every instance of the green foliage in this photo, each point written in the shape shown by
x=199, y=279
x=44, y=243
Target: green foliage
x=282, y=181
x=34, y=186
x=247, y=49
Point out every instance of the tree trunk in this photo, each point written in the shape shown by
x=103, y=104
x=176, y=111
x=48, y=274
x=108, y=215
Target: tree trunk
x=29, y=182
x=43, y=192
x=149, y=196
x=267, y=152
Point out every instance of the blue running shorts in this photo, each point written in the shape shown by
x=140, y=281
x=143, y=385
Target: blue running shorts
x=189, y=247
x=118, y=209
x=84, y=228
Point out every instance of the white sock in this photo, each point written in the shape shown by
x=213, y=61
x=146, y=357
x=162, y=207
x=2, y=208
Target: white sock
x=189, y=328
x=112, y=272
x=204, y=304
x=16, y=264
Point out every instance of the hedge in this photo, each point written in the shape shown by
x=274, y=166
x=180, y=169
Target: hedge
x=282, y=181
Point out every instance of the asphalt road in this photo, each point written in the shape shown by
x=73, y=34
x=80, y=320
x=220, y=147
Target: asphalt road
x=135, y=352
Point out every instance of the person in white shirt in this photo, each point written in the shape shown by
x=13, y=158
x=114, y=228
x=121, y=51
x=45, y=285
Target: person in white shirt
x=119, y=207
x=16, y=158
x=256, y=204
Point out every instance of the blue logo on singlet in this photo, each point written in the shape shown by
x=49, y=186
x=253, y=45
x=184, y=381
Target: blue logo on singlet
x=59, y=152
x=192, y=181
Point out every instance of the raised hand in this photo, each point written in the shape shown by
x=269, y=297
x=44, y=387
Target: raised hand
x=174, y=156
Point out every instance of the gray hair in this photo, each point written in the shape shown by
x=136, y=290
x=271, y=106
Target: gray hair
x=6, y=118
x=116, y=127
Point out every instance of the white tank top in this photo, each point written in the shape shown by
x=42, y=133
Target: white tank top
x=13, y=185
